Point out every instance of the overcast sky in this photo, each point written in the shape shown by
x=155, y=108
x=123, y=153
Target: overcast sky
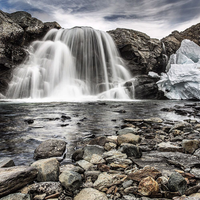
x=157, y=18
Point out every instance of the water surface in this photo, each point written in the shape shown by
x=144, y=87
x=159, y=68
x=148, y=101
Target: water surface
x=83, y=120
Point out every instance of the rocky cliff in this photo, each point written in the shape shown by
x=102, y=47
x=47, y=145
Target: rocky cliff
x=144, y=54
x=173, y=41
x=141, y=53
x=17, y=31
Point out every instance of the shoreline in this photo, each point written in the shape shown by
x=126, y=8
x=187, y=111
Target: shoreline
x=147, y=159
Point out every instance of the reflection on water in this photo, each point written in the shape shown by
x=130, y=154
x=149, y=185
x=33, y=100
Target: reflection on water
x=19, y=137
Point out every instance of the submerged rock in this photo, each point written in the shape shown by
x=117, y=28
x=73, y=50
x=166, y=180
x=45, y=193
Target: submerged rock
x=127, y=130
x=6, y=162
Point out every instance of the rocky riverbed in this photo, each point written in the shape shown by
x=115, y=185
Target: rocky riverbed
x=147, y=158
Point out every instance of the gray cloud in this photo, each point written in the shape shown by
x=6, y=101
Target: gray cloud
x=154, y=17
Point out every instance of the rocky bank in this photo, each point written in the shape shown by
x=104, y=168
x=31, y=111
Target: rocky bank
x=141, y=53
x=146, y=159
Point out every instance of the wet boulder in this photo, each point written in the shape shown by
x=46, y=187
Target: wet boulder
x=146, y=88
x=50, y=148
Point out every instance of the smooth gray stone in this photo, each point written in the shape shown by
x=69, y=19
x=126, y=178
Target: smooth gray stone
x=14, y=178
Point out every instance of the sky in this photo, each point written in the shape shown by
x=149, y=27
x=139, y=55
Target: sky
x=156, y=18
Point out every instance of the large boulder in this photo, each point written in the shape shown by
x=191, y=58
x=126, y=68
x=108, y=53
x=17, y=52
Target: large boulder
x=14, y=178
x=50, y=148
x=48, y=169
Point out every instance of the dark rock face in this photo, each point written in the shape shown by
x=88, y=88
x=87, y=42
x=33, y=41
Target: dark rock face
x=33, y=28
x=17, y=30
x=142, y=53
x=146, y=88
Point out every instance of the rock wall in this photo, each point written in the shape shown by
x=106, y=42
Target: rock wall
x=17, y=31
x=142, y=53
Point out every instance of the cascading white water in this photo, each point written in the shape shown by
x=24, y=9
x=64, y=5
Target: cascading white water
x=71, y=63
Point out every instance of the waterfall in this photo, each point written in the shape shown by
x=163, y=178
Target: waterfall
x=164, y=55
x=71, y=63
